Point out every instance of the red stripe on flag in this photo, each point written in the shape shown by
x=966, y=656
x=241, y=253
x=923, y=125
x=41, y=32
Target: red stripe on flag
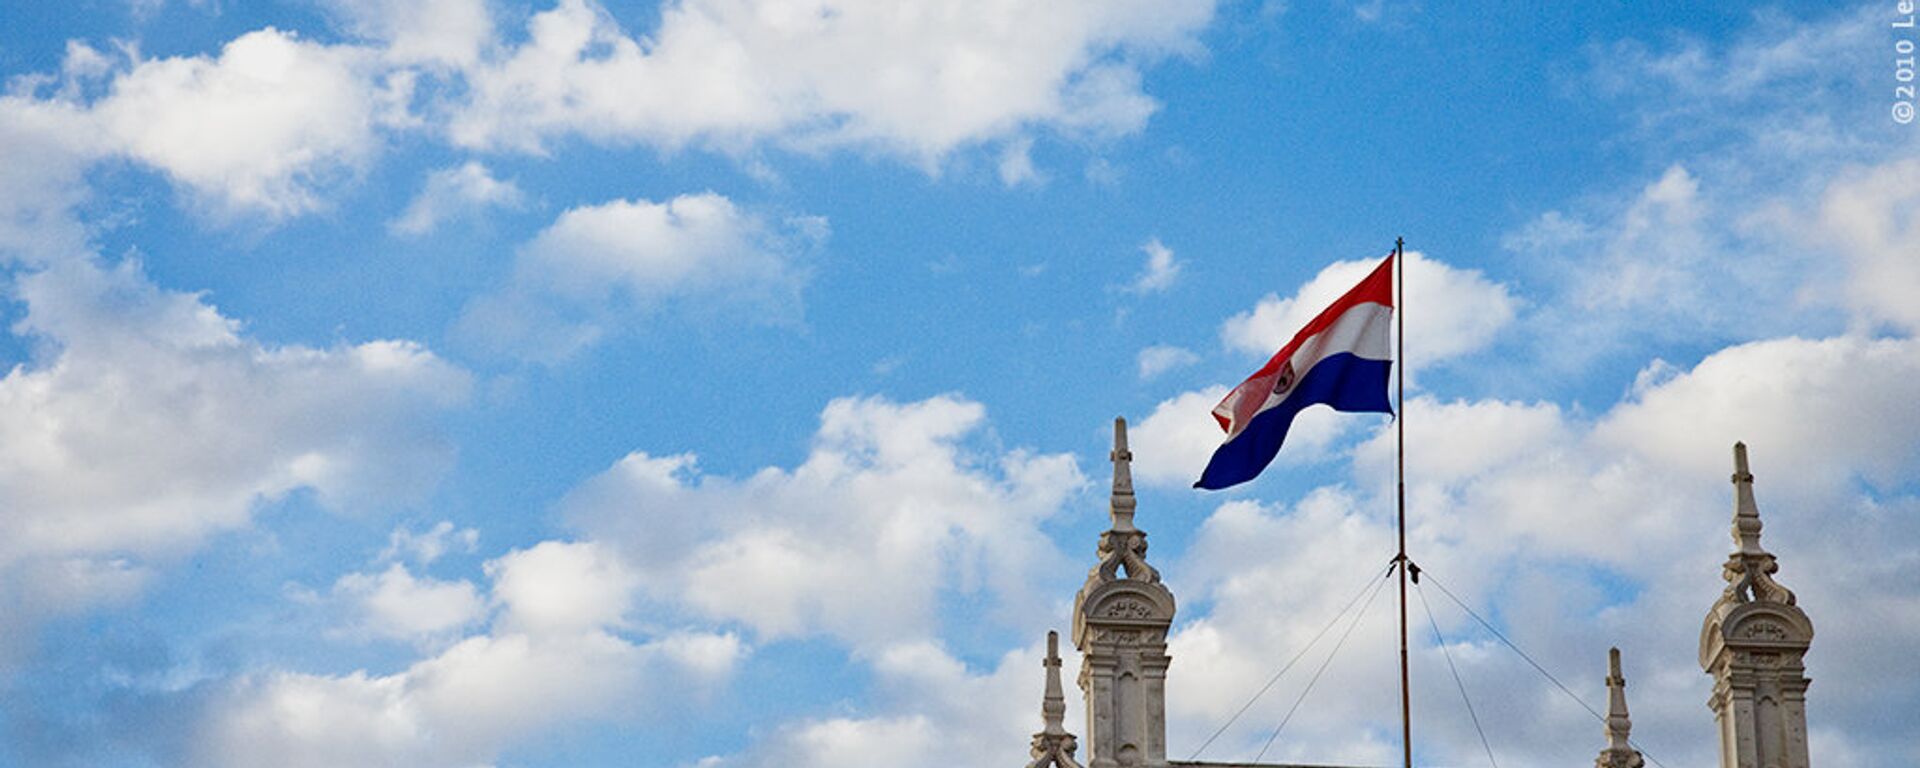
x=1377, y=288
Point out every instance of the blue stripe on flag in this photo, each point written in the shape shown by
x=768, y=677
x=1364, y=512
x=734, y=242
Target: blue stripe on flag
x=1343, y=381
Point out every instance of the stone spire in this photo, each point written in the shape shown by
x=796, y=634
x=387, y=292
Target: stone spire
x=1122, y=502
x=1619, y=752
x=1753, y=642
x=1053, y=747
x=1120, y=622
x=1749, y=570
x=1123, y=546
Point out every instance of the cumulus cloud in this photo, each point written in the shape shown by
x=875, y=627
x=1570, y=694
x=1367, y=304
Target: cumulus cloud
x=1837, y=410
x=927, y=699
x=451, y=192
x=561, y=587
x=272, y=122
x=1160, y=271
x=425, y=547
x=624, y=260
x=444, y=33
x=534, y=669
x=889, y=505
x=257, y=128
x=1161, y=358
x=1750, y=231
x=1461, y=310
x=1016, y=164
x=152, y=423
x=398, y=605
x=1872, y=212
x=732, y=72
x=46, y=147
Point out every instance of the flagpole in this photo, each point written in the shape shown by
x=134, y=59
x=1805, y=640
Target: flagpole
x=1400, y=476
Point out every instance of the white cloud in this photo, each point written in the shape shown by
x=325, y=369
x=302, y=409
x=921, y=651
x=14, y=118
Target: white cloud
x=257, y=128
x=1161, y=358
x=1872, y=212
x=536, y=668
x=1016, y=164
x=891, y=508
x=561, y=587
x=396, y=604
x=917, y=81
x=626, y=259
x=152, y=423
x=1836, y=410
x=1173, y=443
x=46, y=147
x=1460, y=310
x=691, y=243
x=427, y=546
x=928, y=701
x=448, y=33
x=1749, y=232
x=1161, y=269
x=272, y=122
x=452, y=191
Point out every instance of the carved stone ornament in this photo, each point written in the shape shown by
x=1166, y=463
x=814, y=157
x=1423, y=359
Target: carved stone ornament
x=1753, y=643
x=1128, y=609
x=1123, y=550
x=1749, y=570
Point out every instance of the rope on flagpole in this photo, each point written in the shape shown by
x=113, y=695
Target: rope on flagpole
x=1487, y=625
x=1324, y=663
x=1371, y=583
x=1457, y=682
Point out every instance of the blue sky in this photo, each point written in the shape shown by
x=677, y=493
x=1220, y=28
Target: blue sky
x=728, y=382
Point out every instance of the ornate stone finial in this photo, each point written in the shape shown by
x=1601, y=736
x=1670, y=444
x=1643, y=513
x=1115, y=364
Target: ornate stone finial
x=1749, y=570
x=1122, y=504
x=1754, y=643
x=1120, y=625
x=1053, y=747
x=1619, y=752
x=1122, y=546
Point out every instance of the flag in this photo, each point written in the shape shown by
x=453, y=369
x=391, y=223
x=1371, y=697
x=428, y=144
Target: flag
x=1342, y=359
